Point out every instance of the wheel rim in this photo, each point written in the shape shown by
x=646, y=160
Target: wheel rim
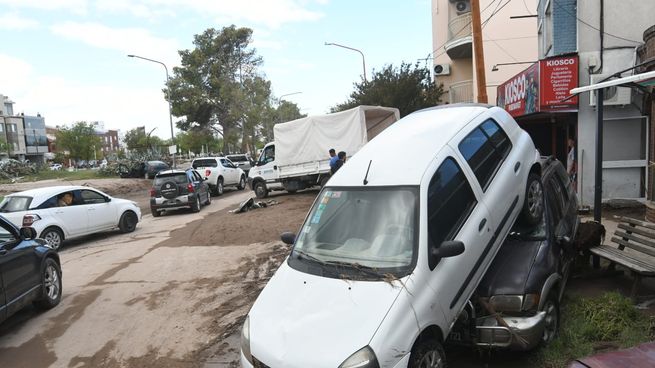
x=219, y=187
x=209, y=198
x=242, y=182
x=51, y=282
x=431, y=359
x=534, y=198
x=550, y=322
x=260, y=190
x=53, y=239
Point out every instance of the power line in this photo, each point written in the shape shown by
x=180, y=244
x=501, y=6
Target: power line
x=592, y=27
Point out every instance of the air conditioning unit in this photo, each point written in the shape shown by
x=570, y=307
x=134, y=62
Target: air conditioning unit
x=442, y=69
x=613, y=95
x=462, y=6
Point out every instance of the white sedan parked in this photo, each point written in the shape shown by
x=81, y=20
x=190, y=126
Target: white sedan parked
x=65, y=212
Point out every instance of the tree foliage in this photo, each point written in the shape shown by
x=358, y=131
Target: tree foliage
x=80, y=140
x=407, y=88
x=198, y=140
x=138, y=141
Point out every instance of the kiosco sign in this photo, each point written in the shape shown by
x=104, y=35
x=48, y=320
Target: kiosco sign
x=541, y=87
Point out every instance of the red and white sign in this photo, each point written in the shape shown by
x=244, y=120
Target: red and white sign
x=542, y=87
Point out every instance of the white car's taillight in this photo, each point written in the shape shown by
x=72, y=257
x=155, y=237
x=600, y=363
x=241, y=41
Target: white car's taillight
x=30, y=218
x=208, y=172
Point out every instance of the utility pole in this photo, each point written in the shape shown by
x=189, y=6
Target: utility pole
x=478, y=52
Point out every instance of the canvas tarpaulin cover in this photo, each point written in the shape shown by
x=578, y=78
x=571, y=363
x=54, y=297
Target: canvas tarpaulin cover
x=309, y=139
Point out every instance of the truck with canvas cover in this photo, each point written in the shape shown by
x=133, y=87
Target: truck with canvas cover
x=298, y=158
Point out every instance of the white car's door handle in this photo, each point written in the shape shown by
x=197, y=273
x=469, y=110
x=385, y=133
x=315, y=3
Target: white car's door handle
x=59, y=212
x=92, y=209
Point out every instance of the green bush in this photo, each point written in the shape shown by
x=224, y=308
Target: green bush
x=589, y=325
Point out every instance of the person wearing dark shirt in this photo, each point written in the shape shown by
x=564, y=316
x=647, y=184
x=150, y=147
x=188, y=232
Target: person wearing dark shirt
x=341, y=159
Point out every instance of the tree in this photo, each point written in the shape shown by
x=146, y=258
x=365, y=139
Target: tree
x=406, y=88
x=80, y=141
x=285, y=111
x=208, y=89
x=137, y=141
x=198, y=140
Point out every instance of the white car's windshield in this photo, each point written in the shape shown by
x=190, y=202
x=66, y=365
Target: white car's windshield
x=15, y=204
x=372, y=228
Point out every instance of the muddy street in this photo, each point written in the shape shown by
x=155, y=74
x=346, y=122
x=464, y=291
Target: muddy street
x=171, y=294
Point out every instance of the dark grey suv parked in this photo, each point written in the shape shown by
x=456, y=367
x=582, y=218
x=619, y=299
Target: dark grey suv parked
x=176, y=189
x=526, y=280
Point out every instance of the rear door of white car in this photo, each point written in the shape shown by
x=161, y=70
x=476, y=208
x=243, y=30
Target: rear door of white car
x=230, y=171
x=74, y=217
x=102, y=214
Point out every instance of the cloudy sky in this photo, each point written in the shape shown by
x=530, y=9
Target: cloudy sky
x=66, y=59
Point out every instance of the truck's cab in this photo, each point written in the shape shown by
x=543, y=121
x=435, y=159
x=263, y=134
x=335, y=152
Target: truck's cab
x=265, y=176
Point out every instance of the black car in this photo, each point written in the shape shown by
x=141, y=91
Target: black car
x=176, y=189
x=30, y=271
x=146, y=169
x=526, y=280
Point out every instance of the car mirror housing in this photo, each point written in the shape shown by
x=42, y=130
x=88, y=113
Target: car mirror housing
x=27, y=233
x=449, y=248
x=108, y=199
x=288, y=238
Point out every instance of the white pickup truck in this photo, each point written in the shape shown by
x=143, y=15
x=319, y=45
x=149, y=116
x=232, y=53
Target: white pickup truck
x=299, y=159
x=220, y=172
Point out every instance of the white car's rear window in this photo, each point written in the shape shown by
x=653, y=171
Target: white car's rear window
x=15, y=204
x=204, y=163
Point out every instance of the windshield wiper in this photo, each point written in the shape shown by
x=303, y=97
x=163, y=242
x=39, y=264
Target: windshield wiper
x=300, y=254
x=367, y=270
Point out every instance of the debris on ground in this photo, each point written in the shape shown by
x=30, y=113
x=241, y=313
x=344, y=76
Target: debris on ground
x=14, y=170
x=250, y=204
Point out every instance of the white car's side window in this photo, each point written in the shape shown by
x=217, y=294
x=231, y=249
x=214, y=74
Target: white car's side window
x=450, y=202
x=485, y=149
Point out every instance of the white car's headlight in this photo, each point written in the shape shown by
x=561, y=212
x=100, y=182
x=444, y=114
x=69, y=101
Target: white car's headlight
x=362, y=358
x=245, y=340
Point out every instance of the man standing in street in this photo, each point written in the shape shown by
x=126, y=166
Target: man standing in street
x=333, y=159
x=341, y=159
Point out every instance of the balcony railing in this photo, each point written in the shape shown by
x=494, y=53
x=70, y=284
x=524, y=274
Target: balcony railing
x=459, y=27
x=461, y=92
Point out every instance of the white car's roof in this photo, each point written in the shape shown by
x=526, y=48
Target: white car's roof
x=403, y=152
x=39, y=195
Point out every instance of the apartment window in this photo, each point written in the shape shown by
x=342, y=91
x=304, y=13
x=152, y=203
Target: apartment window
x=2, y=128
x=11, y=128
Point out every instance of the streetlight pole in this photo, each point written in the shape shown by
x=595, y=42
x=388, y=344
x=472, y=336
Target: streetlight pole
x=170, y=115
x=288, y=94
x=353, y=49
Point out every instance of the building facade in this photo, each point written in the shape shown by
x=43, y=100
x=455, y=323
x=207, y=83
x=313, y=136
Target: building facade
x=509, y=44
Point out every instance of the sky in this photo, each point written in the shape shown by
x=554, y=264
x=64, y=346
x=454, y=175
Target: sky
x=67, y=59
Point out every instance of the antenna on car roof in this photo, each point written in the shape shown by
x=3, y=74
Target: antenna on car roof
x=367, y=169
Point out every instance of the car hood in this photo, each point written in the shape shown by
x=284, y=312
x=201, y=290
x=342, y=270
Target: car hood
x=303, y=320
x=510, y=268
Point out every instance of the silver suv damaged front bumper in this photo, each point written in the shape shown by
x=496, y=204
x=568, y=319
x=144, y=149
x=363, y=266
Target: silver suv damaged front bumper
x=526, y=332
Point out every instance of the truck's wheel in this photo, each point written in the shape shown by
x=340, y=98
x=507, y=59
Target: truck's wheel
x=219, y=187
x=242, y=183
x=324, y=180
x=533, y=204
x=427, y=354
x=260, y=190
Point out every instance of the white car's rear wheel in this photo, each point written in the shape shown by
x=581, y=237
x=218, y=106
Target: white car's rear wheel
x=53, y=236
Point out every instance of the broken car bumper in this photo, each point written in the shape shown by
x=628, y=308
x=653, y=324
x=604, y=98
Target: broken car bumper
x=526, y=332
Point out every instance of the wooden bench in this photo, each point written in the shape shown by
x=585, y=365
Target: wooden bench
x=639, y=236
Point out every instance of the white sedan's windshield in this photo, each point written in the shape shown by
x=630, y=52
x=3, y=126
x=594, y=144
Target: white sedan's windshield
x=371, y=228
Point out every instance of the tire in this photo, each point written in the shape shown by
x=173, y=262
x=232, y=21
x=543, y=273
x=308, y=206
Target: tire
x=169, y=190
x=128, y=222
x=196, y=206
x=427, y=354
x=551, y=321
x=53, y=236
x=209, y=199
x=155, y=213
x=219, y=187
x=51, y=281
x=324, y=180
x=260, y=189
x=533, y=204
x=242, y=183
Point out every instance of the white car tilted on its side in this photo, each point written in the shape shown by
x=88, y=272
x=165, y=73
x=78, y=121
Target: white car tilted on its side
x=65, y=212
x=391, y=251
